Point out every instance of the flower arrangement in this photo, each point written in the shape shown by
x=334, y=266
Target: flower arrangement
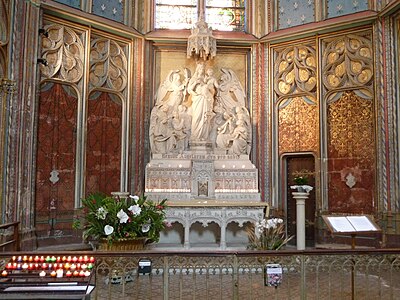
x=300, y=180
x=267, y=234
x=115, y=218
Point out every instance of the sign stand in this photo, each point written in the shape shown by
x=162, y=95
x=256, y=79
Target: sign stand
x=353, y=225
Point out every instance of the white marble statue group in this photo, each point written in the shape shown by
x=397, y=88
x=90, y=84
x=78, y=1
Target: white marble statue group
x=200, y=110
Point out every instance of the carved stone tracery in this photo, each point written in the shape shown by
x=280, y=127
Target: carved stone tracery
x=63, y=51
x=108, y=65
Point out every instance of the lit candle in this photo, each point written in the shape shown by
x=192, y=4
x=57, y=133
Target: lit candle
x=25, y=258
x=24, y=266
x=44, y=266
x=31, y=267
x=69, y=259
x=48, y=258
x=53, y=258
x=67, y=266
x=9, y=266
x=14, y=258
x=76, y=273
x=41, y=259
x=36, y=259
x=4, y=273
x=73, y=267
x=87, y=273
x=83, y=267
x=82, y=273
x=60, y=273
x=42, y=274
x=53, y=274
x=74, y=259
x=91, y=259
x=30, y=258
x=19, y=258
x=85, y=258
x=90, y=266
x=68, y=274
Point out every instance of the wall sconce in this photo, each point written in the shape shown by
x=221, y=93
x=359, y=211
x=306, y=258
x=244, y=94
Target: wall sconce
x=43, y=32
x=144, y=266
x=42, y=61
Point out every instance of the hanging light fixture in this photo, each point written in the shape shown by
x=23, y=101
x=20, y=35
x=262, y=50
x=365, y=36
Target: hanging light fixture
x=201, y=42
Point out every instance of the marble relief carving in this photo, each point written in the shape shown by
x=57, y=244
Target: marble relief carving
x=200, y=138
x=63, y=50
x=200, y=109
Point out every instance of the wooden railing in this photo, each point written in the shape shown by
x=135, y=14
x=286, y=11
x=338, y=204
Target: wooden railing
x=14, y=241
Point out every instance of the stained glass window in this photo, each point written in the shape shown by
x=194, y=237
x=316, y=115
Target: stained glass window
x=227, y=15
x=173, y=14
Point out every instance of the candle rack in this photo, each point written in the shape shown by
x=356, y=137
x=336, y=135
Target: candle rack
x=47, y=277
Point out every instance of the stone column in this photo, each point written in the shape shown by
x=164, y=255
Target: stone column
x=186, y=244
x=300, y=219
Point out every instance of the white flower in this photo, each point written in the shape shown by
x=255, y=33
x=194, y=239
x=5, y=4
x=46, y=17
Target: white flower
x=101, y=213
x=145, y=227
x=108, y=229
x=122, y=216
x=135, y=209
x=136, y=198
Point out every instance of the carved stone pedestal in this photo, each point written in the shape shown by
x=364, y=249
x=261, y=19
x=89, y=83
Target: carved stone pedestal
x=219, y=212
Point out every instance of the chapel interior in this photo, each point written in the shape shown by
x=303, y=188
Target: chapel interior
x=298, y=88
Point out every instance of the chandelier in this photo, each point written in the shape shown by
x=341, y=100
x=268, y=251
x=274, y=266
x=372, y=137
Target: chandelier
x=201, y=42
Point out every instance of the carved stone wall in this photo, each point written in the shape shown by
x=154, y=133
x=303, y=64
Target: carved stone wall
x=83, y=123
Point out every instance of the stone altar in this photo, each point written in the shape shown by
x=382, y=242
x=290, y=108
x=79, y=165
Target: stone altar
x=200, y=139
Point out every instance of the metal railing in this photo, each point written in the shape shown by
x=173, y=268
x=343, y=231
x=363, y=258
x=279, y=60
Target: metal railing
x=339, y=274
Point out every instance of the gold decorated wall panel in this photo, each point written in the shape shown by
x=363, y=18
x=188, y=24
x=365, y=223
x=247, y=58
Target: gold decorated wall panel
x=295, y=86
x=348, y=101
x=298, y=126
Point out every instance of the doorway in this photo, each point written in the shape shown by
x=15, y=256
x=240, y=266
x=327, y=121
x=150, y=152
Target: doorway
x=303, y=165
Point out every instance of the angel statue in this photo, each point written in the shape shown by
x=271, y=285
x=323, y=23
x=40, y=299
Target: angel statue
x=230, y=91
x=172, y=91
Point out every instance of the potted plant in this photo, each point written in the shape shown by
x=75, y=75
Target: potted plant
x=121, y=223
x=267, y=234
x=301, y=184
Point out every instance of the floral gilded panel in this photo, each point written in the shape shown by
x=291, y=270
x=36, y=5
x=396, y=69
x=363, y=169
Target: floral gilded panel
x=298, y=126
x=295, y=71
x=351, y=154
x=347, y=61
